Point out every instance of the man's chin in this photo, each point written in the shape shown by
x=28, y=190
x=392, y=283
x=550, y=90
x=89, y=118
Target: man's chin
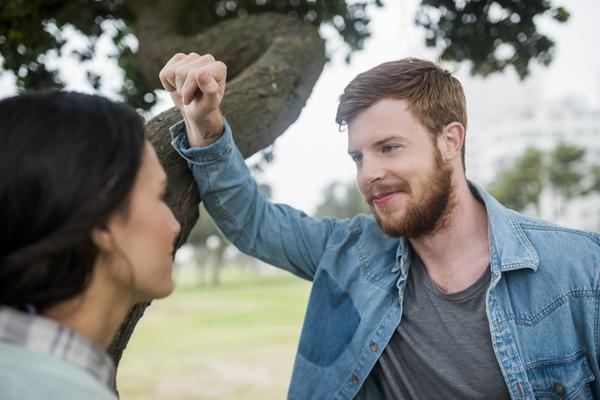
x=391, y=227
x=407, y=226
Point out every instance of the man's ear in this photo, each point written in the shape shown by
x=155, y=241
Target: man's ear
x=451, y=141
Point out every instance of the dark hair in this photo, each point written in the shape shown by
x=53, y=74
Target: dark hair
x=433, y=94
x=68, y=160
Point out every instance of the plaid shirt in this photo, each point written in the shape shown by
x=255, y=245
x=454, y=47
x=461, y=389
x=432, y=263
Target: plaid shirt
x=43, y=335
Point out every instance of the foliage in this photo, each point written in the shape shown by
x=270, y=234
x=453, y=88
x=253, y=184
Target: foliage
x=594, y=180
x=562, y=171
x=492, y=34
x=521, y=184
x=33, y=31
x=349, y=18
x=341, y=201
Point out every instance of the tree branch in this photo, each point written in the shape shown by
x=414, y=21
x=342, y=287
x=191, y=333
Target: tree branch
x=273, y=64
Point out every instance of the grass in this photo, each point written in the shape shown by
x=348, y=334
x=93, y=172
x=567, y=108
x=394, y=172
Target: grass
x=234, y=341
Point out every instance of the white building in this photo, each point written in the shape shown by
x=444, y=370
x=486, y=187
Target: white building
x=501, y=127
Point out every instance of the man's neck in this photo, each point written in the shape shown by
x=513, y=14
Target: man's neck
x=456, y=256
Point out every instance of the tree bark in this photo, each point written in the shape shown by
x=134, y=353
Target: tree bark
x=273, y=63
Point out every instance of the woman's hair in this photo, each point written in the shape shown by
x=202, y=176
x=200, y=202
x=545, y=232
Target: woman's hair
x=67, y=162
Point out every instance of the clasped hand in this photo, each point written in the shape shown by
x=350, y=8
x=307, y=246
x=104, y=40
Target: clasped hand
x=197, y=85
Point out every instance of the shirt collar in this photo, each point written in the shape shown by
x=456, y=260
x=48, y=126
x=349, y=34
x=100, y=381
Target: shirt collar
x=44, y=335
x=510, y=249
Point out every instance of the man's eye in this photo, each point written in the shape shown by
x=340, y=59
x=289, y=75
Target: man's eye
x=386, y=148
x=356, y=158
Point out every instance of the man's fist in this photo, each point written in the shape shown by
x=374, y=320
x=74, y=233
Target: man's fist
x=197, y=85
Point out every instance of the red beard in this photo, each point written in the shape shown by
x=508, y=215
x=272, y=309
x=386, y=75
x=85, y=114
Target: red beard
x=426, y=214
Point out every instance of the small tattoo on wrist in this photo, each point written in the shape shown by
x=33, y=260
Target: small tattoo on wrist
x=208, y=134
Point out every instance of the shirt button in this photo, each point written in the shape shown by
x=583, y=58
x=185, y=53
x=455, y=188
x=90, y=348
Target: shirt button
x=373, y=347
x=354, y=379
x=558, y=389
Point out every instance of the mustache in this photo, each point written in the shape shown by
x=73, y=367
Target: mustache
x=379, y=188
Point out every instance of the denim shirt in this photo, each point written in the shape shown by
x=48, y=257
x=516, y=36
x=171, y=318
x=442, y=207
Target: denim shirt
x=543, y=302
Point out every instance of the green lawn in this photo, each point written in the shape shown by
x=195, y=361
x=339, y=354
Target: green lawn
x=235, y=341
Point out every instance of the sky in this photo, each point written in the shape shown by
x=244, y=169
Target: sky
x=312, y=152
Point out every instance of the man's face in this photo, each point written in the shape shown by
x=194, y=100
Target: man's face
x=400, y=171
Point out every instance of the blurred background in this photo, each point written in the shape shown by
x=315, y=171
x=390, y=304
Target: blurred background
x=230, y=330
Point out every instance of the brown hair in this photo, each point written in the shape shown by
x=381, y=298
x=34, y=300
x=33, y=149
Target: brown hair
x=434, y=95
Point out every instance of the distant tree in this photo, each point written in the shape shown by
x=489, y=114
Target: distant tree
x=563, y=171
x=209, y=244
x=594, y=180
x=341, y=200
x=520, y=185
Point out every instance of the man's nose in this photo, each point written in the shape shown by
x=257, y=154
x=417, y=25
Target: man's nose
x=371, y=171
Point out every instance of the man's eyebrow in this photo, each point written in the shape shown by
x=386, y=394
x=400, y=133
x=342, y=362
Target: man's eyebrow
x=380, y=142
x=388, y=138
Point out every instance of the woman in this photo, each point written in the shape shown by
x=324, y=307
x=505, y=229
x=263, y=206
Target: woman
x=85, y=235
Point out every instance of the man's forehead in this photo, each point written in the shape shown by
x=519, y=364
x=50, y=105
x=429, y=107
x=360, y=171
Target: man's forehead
x=383, y=120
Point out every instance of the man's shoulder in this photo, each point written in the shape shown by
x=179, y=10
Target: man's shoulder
x=539, y=229
x=560, y=248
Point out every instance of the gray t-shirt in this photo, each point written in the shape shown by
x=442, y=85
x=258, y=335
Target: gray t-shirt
x=442, y=349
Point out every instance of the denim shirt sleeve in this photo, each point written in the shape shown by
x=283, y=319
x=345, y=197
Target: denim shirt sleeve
x=275, y=233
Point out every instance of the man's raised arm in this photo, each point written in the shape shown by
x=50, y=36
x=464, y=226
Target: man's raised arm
x=277, y=234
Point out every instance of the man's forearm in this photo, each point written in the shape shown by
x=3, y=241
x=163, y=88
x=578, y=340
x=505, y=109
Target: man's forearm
x=275, y=233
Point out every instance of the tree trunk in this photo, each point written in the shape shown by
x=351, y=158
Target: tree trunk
x=219, y=256
x=273, y=63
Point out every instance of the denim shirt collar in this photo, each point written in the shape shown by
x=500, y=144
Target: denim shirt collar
x=510, y=249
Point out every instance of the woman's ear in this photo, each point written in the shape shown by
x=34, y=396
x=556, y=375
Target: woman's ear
x=102, y=238
x=452, y=140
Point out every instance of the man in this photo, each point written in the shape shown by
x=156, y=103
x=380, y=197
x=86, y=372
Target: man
x=444, y=294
